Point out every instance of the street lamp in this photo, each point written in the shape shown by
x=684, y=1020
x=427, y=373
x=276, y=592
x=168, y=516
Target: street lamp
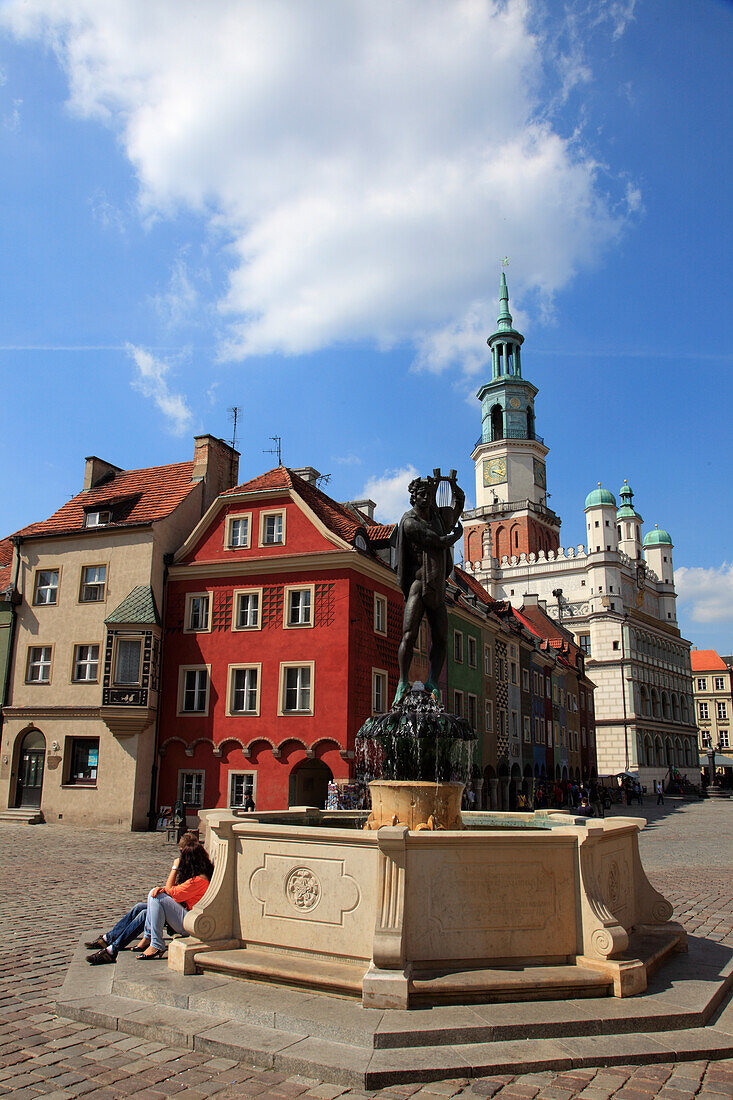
x=714, y=788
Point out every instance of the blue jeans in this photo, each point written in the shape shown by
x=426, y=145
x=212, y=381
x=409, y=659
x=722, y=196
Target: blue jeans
x=127, y=929
x=162, y=910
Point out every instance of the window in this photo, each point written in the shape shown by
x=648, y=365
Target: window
x=83, y=761
x=379, y=691
x=515, y=724
x=97, y=519
x=380, y=614
x=191, y=788
x=719, y=683
x=554, y=693
x=723, y=735
x=615, y=644
x=457, y=647
x=488, y=716
x=458, y=703
x=487, y=660
x=247, y=609
x=722, y=710
x=93, y=583
x=527, y=729
x=47, y=586
x=584, y=643
x=197, y=611
x=702, y=685
x=127, y=660
x=38, y=669
x=471, y=652
x=548, y=691
x=583, y=737
x=244, y=689
x=237, y=531
x=536, y=683
x=296, y=689
x=703, y=710
x=193, y=690
x=299, y=606
x=525, y=679
x=86, y=663
x=472, y=708
x=272, y=528
x=513, y=671
x=548, y=724
x=241, y=786
x=706, y=739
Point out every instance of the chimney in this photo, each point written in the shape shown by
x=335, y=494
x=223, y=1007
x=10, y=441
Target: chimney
x=365, y=505
x=216, y=464
x=96, y=470
x=531, y=599
x=308, y=474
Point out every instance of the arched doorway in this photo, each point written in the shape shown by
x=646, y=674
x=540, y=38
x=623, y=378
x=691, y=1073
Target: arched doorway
x=30, y=770
x=308, y=784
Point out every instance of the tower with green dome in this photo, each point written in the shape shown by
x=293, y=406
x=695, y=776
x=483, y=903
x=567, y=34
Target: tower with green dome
x=628, y=523
x=509, y=456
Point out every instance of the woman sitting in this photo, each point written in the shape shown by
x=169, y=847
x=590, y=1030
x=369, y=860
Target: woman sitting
x=133, y=922
x=169, y=904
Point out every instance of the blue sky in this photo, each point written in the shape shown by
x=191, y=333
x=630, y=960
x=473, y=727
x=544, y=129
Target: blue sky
x=301, y=209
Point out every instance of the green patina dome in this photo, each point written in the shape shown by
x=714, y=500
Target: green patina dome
x=600, y=496
x=657, y=537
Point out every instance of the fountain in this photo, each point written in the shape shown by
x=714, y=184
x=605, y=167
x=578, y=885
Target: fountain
x=415, y=903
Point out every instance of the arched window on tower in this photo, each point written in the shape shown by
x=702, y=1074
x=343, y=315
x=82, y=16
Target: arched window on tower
x=500, y=543
x=530, y=424
x=497, y=423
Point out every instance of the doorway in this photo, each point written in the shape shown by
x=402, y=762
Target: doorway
x=308, y=784
x=30, y=770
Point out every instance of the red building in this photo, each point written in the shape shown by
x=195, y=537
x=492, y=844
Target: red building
x=282, y=623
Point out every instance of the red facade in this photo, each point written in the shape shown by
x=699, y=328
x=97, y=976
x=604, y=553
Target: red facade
x=272, y=648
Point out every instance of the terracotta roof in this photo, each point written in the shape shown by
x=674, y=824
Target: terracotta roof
x=139, y=497
x=337, y=518
x=380, y=532
x=707, y=660
x=6, y=558
x=539, y=623
x=475, y=589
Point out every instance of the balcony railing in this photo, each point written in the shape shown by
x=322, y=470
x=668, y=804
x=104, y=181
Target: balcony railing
x=512, y=433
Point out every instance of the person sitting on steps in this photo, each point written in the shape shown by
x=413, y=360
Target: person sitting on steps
x=169, y=905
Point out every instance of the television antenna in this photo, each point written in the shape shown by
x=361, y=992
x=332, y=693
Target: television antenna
x=276, y=450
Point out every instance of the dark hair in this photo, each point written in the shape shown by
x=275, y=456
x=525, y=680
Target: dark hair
x=187, y=839
x=194, y=861
x=415, y=484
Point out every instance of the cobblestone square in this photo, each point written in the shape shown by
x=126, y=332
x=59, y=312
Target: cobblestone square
x=61, y=881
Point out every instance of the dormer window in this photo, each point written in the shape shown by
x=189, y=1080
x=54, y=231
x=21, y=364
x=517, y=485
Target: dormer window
x=98, y=519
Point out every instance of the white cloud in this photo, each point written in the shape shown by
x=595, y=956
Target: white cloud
x=368, y=162
x=390, y=492
x=151, y=382
x=706, y=594
x=180, y=299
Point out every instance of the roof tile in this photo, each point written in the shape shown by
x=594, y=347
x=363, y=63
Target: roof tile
x=707, y=660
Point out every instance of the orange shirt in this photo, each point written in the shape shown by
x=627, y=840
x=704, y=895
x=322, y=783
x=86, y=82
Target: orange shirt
x=189, y=892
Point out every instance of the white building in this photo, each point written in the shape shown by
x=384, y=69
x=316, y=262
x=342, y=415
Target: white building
x=615, y=592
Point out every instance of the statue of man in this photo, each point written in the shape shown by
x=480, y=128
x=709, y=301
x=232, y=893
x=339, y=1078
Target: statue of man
x=424, y=561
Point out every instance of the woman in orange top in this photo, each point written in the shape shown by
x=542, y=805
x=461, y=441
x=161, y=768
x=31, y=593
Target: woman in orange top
x=169, y=904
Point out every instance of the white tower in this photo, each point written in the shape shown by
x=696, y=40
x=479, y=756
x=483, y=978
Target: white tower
x=600, y=521
x=628, y=523
x=658, y=556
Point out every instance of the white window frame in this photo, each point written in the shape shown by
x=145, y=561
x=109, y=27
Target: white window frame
x=47, y=587
x=381, y=677
x=247, y=775
x=526, y=722
x=284, y=666
x=721, y=710
x=471, y=651
x=206, y=628
x=525, y=679
x=191, y=771
x=458, y=646
x=380, y=611
x=182, y=670
x=703, y=710
x=102, y=517
x=548, y=733
x=514, y=724
x=128, y=637
x=719, y=683
x=243, y=666
x=724, y=739
x=236, y=594
x=265, y=515
x=702, y=684
x=488, y=660
x=539, y=731
x=230, y=520
x=289, y=591
x=42, y=664
x=94, y=584
x=76, y=663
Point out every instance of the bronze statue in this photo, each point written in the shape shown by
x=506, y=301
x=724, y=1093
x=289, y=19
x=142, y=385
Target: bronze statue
x=425, y=537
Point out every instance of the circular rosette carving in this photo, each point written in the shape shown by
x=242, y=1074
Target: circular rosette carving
x=602, y=942
x=661, y=911
x=302, y=889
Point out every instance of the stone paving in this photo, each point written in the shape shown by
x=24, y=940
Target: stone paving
x=58, y=881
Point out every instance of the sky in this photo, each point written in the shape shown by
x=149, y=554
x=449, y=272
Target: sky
x=301, y=208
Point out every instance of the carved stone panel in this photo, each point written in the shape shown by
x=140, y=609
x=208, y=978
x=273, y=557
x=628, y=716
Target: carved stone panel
x=294, y=888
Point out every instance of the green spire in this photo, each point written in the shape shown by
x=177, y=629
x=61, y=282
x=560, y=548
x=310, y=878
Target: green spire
x=504, y=320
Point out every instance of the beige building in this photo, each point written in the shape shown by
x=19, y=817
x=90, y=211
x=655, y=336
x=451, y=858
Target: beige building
x=711, y=684
x=79, y=724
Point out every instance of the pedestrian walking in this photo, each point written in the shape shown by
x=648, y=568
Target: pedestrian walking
x=659, y=788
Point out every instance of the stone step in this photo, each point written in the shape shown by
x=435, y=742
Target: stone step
x=22, y=816
x=510, y=983
x=276, y=966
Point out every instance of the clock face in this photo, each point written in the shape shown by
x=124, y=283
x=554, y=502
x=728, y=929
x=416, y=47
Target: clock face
x=515, y=402
x=494, y=471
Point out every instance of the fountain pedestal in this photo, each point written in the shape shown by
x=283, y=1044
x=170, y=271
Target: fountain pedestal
x=419, y=806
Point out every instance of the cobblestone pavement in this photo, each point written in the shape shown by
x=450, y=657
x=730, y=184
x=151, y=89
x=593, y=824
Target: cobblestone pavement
x=59, y=881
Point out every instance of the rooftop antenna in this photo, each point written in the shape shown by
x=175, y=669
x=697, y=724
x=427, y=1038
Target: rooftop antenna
x=323, y=479
x=234, y=412
x=276, y=450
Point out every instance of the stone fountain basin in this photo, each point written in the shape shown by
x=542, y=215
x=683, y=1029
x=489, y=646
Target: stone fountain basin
x=515, y=906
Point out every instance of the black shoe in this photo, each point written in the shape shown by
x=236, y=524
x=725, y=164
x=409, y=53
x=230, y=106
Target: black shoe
x=100, y=943
x=100, y=957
